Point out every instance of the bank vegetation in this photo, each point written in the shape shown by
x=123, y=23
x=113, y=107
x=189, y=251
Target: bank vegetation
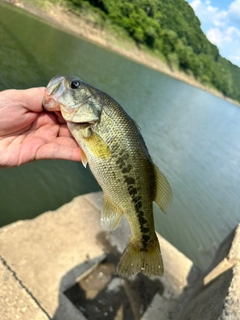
x=168, y=29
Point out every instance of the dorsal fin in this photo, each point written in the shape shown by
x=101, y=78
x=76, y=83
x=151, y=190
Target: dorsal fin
x=163, y=193
x=137, y=125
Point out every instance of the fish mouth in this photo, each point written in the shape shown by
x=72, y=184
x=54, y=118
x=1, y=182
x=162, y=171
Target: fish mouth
x=50, y=103
x=53, y=91
x=84, y=125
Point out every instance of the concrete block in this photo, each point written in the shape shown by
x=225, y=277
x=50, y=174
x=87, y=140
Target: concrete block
x=16, y=302
x=61, y=266
x=219, y=295
x=53, y=252
x=160, y=308
x=43, y=250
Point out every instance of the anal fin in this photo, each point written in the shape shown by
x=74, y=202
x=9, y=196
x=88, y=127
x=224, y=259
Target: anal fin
x=110, y=215
x=163, y=193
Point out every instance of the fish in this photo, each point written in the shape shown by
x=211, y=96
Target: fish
x=112, y=145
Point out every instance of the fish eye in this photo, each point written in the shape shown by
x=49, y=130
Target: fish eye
x=75, y=84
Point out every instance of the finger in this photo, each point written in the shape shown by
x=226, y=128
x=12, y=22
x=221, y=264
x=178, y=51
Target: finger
x=56, y=151
x=31, y=99
x=50, y=119
x=66, y=141
x=64, y=131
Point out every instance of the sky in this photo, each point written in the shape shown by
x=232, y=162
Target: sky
x=220, y=21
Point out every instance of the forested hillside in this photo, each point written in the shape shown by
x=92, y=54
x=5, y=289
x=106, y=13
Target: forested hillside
x=170, y=28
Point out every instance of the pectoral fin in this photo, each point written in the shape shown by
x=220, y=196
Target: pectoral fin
x=98, y=146
x=110, y=215
x=163, y=193
x=83, y=158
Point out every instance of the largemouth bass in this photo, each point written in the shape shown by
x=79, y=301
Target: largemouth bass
x=112, y=145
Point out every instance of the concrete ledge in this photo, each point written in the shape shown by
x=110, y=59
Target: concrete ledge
x=15, y=300
x=216, y=296
x=41, y=251
x=50, y=264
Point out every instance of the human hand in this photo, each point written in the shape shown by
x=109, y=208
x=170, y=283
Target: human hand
x=29, y=133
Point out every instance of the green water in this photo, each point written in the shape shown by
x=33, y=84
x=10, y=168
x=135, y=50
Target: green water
x=192, y=136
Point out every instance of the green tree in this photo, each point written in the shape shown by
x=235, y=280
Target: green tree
x=171, y=28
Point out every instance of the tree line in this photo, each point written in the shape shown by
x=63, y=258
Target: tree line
x=170, y=28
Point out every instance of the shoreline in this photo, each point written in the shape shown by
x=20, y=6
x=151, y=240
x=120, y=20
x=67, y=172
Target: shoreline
x=86, y=28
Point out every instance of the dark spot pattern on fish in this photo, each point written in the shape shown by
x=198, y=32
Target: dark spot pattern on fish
x=141, y=218
x=138, y=206
x=137, y=199
x=145, y=241
x=132, y=190
x=129, y=180
x=121, y=160
x=125, y=168
x=145, y=230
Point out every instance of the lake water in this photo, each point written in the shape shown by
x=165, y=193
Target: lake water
x=193, y=136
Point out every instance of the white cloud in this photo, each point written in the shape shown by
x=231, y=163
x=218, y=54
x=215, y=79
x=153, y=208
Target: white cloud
x=234, y=11
x=222, y=37
x=209, y=14
x=222, y=27
x=215, y=36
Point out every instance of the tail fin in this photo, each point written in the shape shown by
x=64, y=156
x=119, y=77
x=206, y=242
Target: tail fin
x=147, y=260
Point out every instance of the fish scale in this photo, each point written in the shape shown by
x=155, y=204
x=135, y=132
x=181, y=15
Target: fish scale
x=113, y=146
